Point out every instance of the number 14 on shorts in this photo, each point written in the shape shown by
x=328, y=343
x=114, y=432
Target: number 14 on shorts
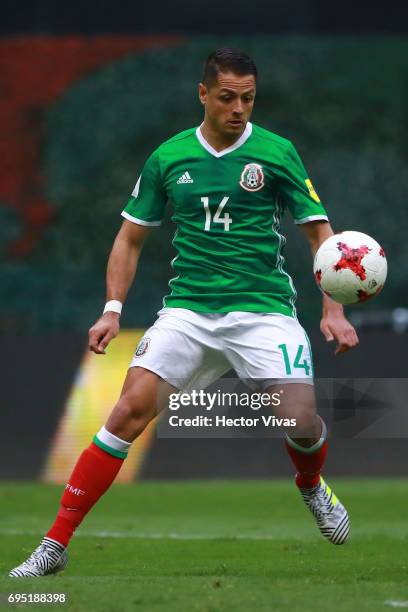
x=297, y=364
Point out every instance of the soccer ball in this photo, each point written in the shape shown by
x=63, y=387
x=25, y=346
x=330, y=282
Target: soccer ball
x=350, y=267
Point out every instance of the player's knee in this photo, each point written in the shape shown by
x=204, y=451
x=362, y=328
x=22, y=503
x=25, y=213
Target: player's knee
x=308, y=424
x=134, y=407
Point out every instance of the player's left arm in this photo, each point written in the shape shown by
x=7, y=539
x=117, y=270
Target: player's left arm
x=298, y=194
x=334, y=325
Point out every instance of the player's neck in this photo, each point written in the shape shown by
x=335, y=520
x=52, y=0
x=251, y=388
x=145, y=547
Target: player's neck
x=216, y=139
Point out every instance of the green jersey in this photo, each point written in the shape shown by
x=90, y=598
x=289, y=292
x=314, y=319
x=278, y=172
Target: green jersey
x=227, y=208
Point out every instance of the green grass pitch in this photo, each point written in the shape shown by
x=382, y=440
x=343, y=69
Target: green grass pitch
x=215, y=546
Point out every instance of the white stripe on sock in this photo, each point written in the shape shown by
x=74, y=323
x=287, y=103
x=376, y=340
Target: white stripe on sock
x=113, y=441
x=316, y=446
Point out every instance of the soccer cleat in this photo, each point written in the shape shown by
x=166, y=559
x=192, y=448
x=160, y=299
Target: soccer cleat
x=49, y=557
x=331, y=516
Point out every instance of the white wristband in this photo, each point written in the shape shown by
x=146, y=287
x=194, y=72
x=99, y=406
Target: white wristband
x=113, y=306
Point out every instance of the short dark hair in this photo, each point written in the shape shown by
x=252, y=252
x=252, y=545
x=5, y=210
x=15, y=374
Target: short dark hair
x=227, y=60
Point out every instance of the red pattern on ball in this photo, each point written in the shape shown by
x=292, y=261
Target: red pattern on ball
x=351, y=259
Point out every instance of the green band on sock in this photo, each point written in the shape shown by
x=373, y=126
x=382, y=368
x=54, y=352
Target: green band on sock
x=109, y=449
x=306, y=449
x=316, y=446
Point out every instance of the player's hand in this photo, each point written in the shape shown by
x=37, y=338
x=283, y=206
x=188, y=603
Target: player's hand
x=334, y=326
x=100, y=334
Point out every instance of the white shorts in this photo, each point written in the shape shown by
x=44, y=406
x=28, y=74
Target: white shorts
x=190, y=349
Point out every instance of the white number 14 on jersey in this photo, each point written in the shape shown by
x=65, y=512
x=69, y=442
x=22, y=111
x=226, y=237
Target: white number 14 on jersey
x=225, y=220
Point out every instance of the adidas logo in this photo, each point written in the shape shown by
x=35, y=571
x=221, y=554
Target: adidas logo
x=185, y=178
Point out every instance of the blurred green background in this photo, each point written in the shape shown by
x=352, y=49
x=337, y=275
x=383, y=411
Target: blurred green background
x=342, y=101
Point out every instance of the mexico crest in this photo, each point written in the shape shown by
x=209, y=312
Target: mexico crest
x=252, y=177
x=143, y=346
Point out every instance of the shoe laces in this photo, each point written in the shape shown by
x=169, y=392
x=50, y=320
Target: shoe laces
x=319, y=503
x=39, y=551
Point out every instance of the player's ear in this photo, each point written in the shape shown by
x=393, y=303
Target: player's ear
x=202, y=93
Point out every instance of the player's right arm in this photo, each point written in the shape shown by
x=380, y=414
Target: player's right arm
x=143, y=211
x=122, y=265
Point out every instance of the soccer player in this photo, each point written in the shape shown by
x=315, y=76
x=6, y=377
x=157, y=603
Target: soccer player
x=231, y=303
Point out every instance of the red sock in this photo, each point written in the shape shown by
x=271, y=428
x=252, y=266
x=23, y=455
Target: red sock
x=93, y=474
x=308, y=465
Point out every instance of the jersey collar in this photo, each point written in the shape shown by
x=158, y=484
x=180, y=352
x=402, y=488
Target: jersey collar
x=243, y=138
